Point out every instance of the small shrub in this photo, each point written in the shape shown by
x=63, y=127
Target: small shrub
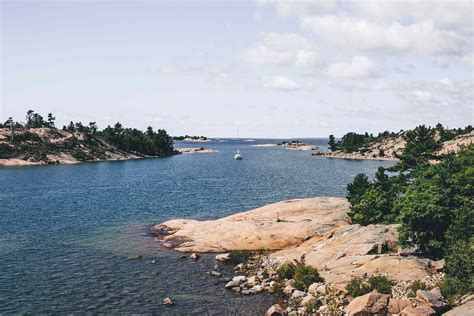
x=265, y=274
x=357, y=287
x=381, y=283
x=277, y=290
x=305, y=275
x=239, y=256
x=311, y=308
x=286, y=271
x=415, y=286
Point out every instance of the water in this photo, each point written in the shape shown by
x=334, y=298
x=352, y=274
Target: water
x=66, y=231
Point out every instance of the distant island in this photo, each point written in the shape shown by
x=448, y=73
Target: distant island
x=390, y=145
x=39, y=141
x=188, y=138
x=297, y=145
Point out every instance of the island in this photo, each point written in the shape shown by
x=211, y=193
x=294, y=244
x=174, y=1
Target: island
x=196, y=150
x=297, y=145
x=38, y=141
x=188, y=138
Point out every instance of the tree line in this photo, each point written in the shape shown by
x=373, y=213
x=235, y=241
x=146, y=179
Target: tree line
x=433, y=203
x=352, y=142
x=150, y=142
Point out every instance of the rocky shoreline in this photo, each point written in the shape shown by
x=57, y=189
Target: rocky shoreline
x=351, y=156
x=314, y=232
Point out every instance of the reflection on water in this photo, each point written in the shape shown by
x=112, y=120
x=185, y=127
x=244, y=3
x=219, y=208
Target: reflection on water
x=66, y=232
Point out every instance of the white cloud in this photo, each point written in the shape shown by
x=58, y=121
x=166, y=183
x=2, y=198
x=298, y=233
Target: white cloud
x=280, y=83
x=359, y=67
x=391, y=27
x=422, y=96
x=298, y=8
x=282, y=49
x=361, y=34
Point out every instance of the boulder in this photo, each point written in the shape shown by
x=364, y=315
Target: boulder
x=433, y=299
x=256, y=289
x=239, y=278
x=297, y=294
x=232, y=284
x=417, y=311
x=372, y=303
x=194, y=256
x=236, y=289
x=396, y=306
x=288, y=290
x=275, y=310
x=215, y=273
x=252, y=281
x=308, y=299
x=167, y=301
x=223, y=257
x=312, y=288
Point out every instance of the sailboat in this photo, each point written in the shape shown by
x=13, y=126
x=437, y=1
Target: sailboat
x=238, y=156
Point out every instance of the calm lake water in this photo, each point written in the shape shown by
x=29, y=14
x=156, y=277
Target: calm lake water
x=66, y=231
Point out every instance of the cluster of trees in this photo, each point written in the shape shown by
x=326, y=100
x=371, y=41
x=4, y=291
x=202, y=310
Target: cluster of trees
x=188, y=136
x=433, y=203
x=33, y=120
x=351, y=141
x=150, y=143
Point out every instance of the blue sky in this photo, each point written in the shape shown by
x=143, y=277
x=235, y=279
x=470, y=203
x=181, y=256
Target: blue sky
x=270, y=68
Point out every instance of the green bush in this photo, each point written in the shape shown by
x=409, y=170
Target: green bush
x=286, y=271
x=265, y=274
x=239, y=256
x=357, y=287
x=381, y=284
x=415, y=286
x=459, y=270
x=305, y=275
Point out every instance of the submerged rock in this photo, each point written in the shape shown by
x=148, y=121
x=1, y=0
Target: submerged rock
x=167, y=301
x=134, y=257
x=194, y=256
x=223, y=257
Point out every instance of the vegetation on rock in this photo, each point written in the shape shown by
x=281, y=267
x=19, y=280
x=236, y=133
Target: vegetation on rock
x=358, y=286
x=83, y=142
x=432, y=202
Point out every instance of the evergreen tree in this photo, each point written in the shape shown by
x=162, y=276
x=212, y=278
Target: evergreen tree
x=332, y=143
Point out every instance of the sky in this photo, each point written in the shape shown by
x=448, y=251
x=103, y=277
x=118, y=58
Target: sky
x=269, y=68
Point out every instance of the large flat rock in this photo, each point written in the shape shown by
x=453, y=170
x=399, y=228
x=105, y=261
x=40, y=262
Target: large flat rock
x=274, y=226
x=315, y=230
